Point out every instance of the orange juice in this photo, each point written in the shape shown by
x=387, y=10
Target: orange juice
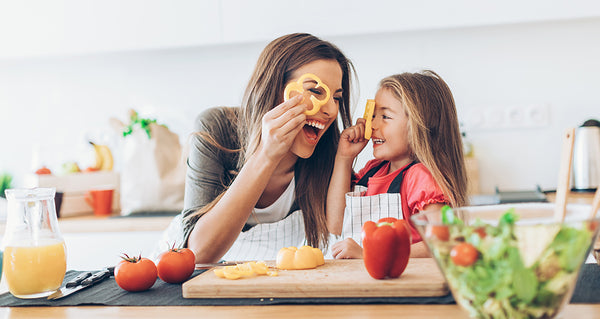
x=32, y=271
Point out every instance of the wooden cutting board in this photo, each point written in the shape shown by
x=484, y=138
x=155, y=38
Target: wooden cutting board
x=336, y=278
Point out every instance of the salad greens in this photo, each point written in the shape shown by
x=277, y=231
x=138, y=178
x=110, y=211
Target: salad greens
x=499, y=284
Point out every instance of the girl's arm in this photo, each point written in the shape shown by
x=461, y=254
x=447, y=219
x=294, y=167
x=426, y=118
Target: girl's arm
x=352, y=142
x=338, y=187
x=420, y=250
x=215, y=232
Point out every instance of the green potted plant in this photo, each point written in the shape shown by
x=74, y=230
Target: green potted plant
x=5, y=183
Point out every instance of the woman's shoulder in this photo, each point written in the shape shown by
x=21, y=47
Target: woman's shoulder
x=216, y=116
x=218, y=125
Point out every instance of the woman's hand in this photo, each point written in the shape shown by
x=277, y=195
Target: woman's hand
x=280, y=127
x=352, y=140
x=346, y=249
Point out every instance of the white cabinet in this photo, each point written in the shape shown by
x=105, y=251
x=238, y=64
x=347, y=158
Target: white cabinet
x=265, y=19
x=39, y=27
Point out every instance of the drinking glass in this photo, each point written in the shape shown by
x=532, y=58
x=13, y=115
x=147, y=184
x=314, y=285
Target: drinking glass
x=34, y=250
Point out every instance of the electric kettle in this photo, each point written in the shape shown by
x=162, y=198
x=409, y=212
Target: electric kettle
x=586, y=157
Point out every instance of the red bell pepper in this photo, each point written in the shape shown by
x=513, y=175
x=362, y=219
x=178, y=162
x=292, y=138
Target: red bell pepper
x=386, y=247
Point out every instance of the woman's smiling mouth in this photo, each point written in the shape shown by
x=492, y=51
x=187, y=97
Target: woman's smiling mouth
x=312, y=128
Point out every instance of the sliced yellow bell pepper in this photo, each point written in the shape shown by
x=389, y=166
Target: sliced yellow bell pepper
x=244, y=270
x=299, y=87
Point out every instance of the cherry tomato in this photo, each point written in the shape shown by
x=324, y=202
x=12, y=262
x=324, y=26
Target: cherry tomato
x=176, y=265
x=592, y=226
x=135, y=273
x=441, y=232
x=464, y=254
x=480, y=231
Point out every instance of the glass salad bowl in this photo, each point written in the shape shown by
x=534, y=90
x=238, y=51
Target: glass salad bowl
x=512, y=260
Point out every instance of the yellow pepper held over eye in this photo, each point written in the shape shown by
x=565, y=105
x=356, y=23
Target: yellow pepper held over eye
x=369, y=109
x=299, y=87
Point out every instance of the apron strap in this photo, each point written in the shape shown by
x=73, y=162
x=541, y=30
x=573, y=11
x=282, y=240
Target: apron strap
x=397, y=182
x=365, y=179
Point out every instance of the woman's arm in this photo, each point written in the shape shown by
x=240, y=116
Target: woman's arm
x=351, y=143
x=214, y=233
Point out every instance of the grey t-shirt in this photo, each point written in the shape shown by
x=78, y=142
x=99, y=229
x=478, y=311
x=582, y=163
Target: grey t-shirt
x=210, y=169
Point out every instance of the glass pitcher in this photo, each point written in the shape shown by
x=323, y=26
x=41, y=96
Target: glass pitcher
x=35, y=260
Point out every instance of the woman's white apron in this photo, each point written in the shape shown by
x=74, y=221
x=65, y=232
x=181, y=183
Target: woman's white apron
x=261, y=242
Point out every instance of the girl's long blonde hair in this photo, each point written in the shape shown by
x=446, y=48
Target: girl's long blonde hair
x=433, y=129
x=273, y=71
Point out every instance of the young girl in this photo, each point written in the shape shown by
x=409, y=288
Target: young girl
x=418, y=161
x=257, y=174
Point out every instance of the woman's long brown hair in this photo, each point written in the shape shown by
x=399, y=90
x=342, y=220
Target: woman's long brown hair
x=273, y=71
x=434, y=134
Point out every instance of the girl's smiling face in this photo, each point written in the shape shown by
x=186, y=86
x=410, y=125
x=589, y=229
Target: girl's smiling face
x=330, y=73
x=390, y=130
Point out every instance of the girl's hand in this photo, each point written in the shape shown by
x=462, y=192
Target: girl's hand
x=346, y=249
x=352, y=140
x=280, y=127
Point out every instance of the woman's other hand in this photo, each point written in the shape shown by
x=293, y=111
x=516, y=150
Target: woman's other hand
x=352, y=140
x=280, y=127
x=346, y=249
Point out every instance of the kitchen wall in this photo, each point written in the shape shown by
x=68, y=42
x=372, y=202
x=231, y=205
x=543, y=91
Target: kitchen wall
x=517, y=86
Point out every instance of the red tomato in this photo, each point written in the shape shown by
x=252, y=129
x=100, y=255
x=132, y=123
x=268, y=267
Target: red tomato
x=135, y=274
x=176, y=265
x=441, y=232
x=464, y=254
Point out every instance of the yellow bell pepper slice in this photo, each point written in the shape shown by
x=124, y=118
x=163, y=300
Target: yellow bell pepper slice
x=369, y=109
x=298, y=87
x=243, y=270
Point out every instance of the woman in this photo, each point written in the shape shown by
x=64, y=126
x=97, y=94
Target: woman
x=258, y=175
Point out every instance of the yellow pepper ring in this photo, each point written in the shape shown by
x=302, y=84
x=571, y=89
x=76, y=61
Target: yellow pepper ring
x=369, y=109
x=298, y=87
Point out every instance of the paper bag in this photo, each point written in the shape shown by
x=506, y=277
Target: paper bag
x=152, y=171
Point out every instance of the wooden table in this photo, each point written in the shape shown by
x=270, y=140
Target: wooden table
x=265, y=312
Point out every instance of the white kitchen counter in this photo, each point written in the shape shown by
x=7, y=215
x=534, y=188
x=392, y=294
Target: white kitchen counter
x=91, y=251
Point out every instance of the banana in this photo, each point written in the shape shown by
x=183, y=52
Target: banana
x=104, y=158
x=107, y=158
x=98, y=162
